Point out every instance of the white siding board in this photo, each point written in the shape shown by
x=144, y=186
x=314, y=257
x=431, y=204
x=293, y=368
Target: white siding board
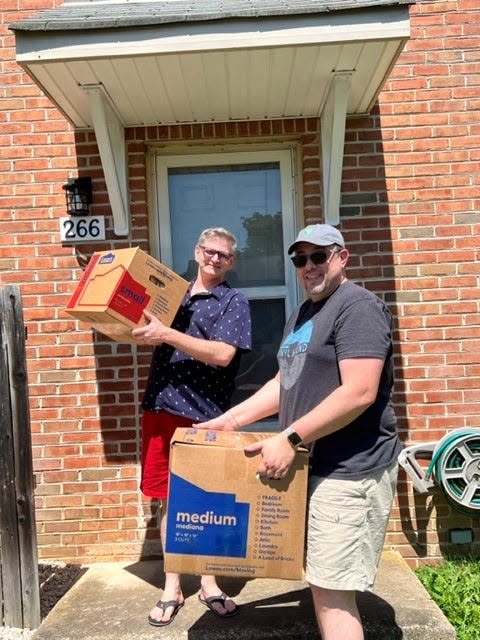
x=237, y=88
x=260, y=65
x=83, y=72
x=374, y=67
x=153, y=79
x=348, y=57
x=147, y=72
x=216, y=86
x=64, y=91
x=324, y=66
x=132, y=85
x=194, y=85
x=114, y=83
x=303, y=77
x=174, y=84
x=279, y=80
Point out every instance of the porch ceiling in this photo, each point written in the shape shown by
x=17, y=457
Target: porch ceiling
x=265, y=59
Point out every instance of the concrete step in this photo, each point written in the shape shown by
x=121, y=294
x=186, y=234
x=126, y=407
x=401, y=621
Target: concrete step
x=112, y=600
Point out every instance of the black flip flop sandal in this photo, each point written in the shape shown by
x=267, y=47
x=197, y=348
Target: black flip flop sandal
x=219, y=600
x=163, y=606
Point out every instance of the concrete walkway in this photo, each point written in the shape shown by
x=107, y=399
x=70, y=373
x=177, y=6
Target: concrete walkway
x=112, y=600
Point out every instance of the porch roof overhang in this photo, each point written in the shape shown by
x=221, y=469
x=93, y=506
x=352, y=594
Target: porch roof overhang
x=111, y=64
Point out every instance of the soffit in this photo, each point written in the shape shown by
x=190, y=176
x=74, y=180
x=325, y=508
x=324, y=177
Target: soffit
x=211, y=60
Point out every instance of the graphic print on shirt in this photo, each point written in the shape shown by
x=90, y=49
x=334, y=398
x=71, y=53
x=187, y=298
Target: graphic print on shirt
x=293, y=354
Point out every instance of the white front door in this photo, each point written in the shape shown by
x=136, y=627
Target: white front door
x=251, y=193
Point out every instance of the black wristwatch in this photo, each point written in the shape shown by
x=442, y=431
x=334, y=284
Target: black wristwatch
x=293, y=437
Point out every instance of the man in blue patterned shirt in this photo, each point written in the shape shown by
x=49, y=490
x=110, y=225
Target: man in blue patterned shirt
x=191, y=379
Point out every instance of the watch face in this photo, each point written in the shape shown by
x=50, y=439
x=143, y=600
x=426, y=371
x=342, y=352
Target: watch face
x=294, y=438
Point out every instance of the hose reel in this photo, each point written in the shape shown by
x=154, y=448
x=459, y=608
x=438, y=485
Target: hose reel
x=454, y=467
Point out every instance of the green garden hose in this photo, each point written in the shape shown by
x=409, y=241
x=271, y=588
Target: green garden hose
x=455, y=465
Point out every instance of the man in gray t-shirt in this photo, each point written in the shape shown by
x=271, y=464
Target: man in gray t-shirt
x=333, y=394
x=350, y=323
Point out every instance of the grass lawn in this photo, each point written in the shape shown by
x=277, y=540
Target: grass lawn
x=455, y=586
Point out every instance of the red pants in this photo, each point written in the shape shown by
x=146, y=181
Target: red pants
x=157, y=431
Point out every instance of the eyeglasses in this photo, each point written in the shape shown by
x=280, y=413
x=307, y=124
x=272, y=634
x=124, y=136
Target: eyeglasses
x=317, y=257
x=211, y=253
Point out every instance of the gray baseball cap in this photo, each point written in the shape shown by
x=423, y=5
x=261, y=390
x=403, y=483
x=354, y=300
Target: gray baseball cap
x=321, y=234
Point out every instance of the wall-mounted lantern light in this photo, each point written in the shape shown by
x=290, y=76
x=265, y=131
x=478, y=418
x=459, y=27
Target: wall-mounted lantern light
x=78, y=194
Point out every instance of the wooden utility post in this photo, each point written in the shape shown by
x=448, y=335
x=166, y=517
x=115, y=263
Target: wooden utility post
x=20, y=591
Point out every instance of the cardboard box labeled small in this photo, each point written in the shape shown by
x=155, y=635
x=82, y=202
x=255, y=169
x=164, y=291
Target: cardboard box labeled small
x=223, y=519
x=118, y=285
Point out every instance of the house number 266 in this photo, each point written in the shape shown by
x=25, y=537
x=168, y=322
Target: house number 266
x=81, y=228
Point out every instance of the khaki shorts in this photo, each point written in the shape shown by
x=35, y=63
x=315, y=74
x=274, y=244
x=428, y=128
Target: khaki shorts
x=347, y=521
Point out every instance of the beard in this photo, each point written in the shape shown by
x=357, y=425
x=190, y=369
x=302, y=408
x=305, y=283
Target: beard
x=317, y=291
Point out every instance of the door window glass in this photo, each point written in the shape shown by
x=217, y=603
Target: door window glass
x=244, y=198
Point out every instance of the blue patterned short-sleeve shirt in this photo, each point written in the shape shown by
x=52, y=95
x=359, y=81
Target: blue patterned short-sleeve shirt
x=182, y=385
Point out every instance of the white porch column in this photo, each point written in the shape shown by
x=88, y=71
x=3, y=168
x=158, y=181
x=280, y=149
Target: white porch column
x=332, y=132
x=109, y=132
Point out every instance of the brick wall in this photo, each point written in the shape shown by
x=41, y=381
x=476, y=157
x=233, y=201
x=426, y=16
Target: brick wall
x=410, y=215
x=429, y=115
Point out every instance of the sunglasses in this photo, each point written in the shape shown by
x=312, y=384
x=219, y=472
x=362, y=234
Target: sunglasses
x=210, y=253
x=317, y=257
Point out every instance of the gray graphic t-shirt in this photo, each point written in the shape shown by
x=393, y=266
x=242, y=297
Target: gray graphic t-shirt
x=351, y=323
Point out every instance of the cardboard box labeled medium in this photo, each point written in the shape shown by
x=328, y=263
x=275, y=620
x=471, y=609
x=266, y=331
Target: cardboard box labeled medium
x=117, y=286
x=224, y=520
